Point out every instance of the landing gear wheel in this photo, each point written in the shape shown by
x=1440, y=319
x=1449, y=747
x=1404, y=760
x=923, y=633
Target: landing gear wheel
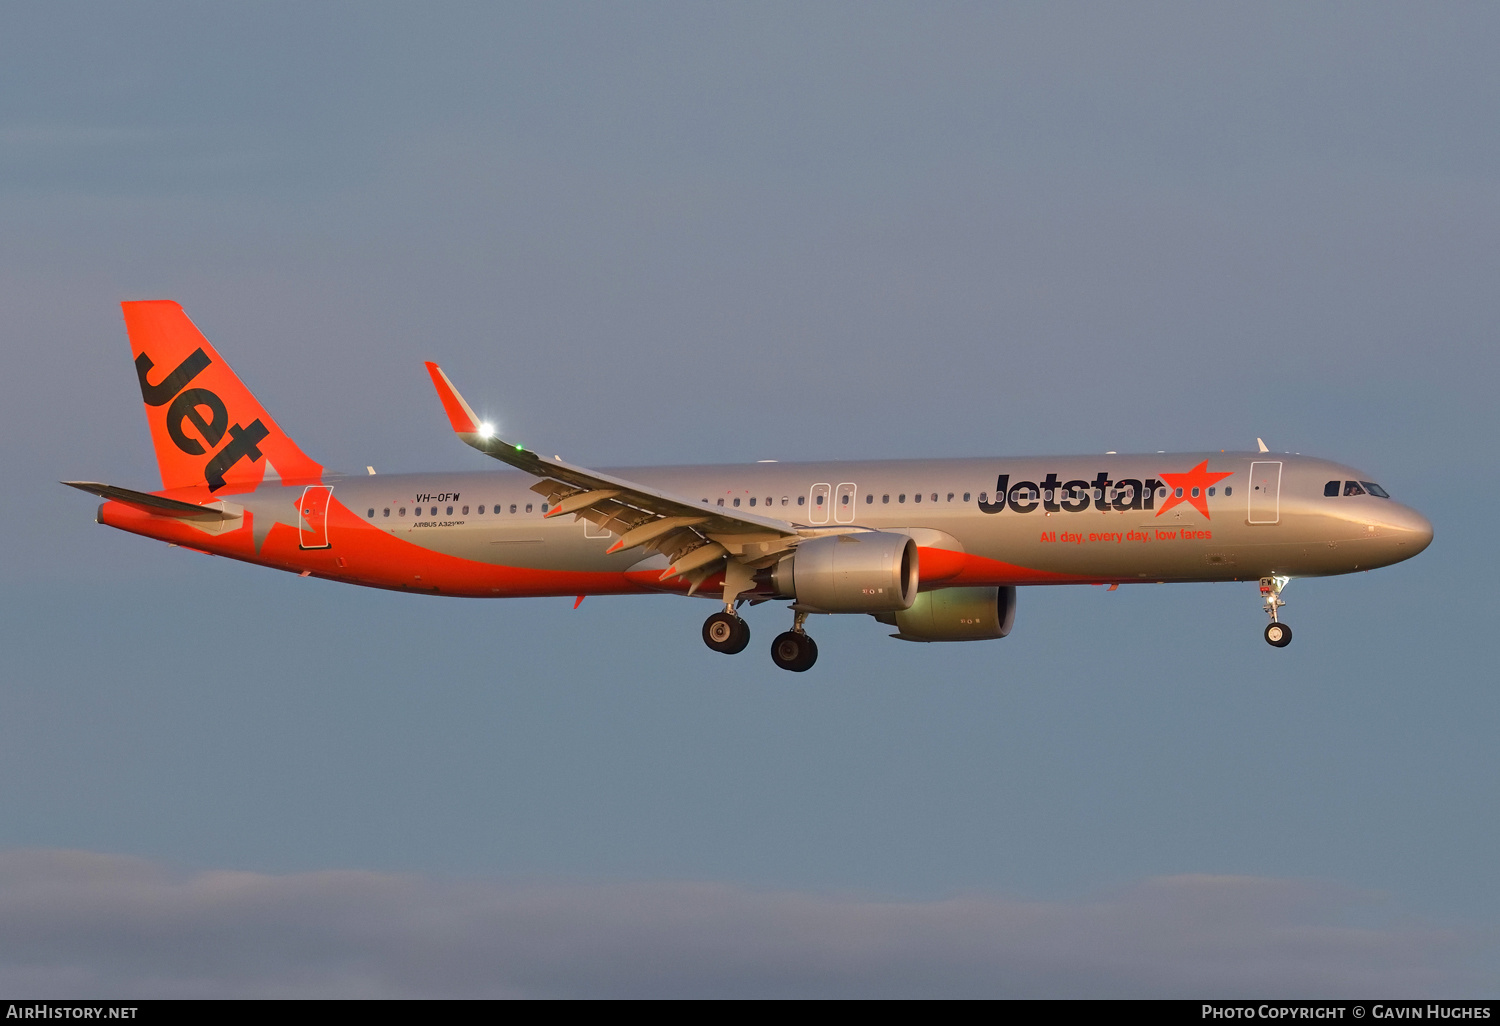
x=727, y=633
x=794, y=651
x=1278, y=634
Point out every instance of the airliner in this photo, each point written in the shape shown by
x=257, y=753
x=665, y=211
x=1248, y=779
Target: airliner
x=934, y=548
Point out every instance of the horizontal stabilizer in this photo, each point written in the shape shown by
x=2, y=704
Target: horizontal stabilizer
x=151, y=503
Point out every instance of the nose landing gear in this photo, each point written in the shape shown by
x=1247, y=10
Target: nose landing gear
x=725, y=632
x=794, y=650
x=1277, y=633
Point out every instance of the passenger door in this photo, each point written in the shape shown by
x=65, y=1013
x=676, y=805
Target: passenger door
x=1265, y=493
x=314, y=510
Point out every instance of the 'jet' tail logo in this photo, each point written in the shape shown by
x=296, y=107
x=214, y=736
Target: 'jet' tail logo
x=206, y=426
x=187, y=407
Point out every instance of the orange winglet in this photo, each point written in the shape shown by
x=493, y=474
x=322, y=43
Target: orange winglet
x=459, y=414
x=580, y=601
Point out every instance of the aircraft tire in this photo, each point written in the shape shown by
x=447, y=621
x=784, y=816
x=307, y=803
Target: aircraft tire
x=793, y=651
x=727, y=633
x=1278, y=634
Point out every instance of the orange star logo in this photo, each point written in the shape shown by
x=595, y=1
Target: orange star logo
x=1193, y=488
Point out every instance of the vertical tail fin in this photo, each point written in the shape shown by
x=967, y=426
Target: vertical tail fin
x=208, y=429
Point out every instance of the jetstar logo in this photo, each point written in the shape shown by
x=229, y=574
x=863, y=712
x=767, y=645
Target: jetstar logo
x=1191, y=487
x=189, y=406
x=1055, y=495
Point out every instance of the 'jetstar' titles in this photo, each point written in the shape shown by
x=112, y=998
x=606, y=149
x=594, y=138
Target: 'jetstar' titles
x=1075, y=496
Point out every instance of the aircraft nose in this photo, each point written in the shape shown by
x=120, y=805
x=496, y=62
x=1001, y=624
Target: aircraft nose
x=1411, y=529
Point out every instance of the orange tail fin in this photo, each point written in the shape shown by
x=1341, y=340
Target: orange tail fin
x=207, y=428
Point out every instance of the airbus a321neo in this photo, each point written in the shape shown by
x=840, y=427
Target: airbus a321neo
x=934, y=548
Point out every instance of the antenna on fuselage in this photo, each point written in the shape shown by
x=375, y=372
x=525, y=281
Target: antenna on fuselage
x=1262, y=443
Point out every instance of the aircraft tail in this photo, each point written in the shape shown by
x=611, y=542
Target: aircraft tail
x=208, y=429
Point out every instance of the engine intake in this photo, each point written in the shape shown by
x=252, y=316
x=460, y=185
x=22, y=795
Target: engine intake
x=860, y=572
x=956, y=614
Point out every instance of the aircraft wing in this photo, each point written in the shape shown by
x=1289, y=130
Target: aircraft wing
x=694, y=536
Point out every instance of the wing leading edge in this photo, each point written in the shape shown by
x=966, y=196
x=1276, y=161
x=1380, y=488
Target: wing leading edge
x=695, y=537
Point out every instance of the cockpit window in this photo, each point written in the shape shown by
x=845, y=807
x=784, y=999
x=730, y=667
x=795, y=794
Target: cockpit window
x=1353, y=488
x=1375, y=490
x=1331, y=489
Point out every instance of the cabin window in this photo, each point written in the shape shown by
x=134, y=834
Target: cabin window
x=721, y=502
x=917, y=497
x=402, y=511
x=528, y=507
x=513, y=507
x=1161, y=493
x=465, y=511
x=1228, y=491
x=768, y=500
x=783, y=500
x=869, y=498
x=984, y=496
x=372, y=512
x=1177, y=493
x=844, y=499
x=901, y=497
x=885, y=498
x=966, y=496
x=820, y=500
x=801, y=499
x=1375, y=490
x=481, y=511
x=1213, y=491
x=736, y=503
x=386, y=512
x=752, y=500
x=449, y=513
x=1195, y=493
x=1353, y=488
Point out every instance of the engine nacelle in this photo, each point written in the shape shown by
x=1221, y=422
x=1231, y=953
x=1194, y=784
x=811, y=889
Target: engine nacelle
x=860, y=572
x=956, y=614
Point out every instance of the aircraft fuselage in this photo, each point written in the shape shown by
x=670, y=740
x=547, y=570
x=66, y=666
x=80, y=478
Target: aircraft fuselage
x=1054, y=520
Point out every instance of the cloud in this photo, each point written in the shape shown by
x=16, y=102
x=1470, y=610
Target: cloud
x=77, y=924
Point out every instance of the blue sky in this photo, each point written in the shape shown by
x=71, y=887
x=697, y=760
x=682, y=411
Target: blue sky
x=671, y=233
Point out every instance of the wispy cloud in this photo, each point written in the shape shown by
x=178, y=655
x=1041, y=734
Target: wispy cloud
x=80, y=924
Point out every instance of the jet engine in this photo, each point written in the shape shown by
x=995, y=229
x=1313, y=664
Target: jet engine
x=955, y=614
x=860, y=572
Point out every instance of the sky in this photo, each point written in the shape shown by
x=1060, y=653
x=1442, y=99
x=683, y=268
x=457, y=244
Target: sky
x=678, y=233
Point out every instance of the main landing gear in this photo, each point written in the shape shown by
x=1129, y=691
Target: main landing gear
x=792, y=650
x=725, y=632
x=1277, y=633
